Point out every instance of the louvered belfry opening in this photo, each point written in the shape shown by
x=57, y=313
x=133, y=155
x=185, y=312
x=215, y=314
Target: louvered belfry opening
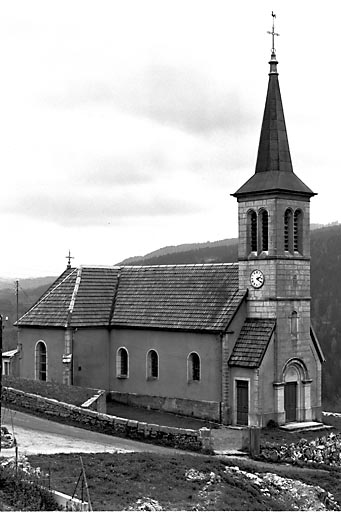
x=298, y=231
x=252, y=231
x=288, y=230
x=265, y=230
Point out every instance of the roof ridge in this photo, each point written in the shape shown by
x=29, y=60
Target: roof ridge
x=52, y=289
x=74, y=295
x=100, y=266
x=113, y=303
x=224, y=264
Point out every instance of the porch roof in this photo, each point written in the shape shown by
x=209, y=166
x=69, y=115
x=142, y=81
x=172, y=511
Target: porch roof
x=252, y=342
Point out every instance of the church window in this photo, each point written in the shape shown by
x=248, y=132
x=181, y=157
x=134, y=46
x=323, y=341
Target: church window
x=288, y=230
x=193, y=367
x=153, y=364
x=252, y=231
x=298, y=231
x=294, y=324
x=41, y=361
x=6, y=368
x=265, y=230
x=122, y=363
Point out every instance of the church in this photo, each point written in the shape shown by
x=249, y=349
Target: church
x=232, y=343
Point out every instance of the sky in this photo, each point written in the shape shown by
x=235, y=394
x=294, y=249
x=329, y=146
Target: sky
x=126, y=125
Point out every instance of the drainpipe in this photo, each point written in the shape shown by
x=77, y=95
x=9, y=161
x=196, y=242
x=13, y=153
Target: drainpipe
x=221, y=336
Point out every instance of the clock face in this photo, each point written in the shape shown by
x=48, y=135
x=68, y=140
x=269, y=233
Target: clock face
x=257, y=278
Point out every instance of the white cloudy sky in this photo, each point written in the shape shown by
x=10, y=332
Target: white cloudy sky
x=125, y=125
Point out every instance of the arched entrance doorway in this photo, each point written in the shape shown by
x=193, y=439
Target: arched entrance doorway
x=295, y=375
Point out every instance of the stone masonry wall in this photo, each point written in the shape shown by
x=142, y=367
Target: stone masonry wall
x=195, y=440
x=195, y=408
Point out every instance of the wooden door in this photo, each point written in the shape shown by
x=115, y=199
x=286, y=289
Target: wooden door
x=242, y=402
x=290, y=401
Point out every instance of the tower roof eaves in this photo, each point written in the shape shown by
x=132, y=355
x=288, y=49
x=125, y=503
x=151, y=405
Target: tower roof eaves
x=271, y=182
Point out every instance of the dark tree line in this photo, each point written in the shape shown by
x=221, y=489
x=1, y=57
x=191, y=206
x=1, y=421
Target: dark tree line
x=325, y=292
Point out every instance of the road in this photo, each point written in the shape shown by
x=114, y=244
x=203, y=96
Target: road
x=37, y=435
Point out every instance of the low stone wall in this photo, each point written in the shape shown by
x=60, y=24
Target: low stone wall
x=75, y=395
x=322, y=450
x=332, y=418
x=195, y=408
x=230, y=438
x=97, y=402
x=66, y=502
x=188, y=439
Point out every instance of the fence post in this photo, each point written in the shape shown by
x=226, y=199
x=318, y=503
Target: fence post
x=254, y=440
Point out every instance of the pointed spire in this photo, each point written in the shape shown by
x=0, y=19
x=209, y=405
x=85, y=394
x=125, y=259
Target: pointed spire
x=273, y=149
x=274, y=171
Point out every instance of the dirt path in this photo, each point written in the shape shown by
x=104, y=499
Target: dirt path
x=37, y=436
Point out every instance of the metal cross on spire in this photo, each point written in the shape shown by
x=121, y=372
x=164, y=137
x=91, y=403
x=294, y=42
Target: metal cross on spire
x=69, y=258
x=273, y=33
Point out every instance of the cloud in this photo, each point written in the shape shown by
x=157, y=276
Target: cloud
x=98, y=209
x=129, y=169
x=182, y=97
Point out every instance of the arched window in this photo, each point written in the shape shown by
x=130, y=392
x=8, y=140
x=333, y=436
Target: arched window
x=122, y=363
x=288, y=230
x=265, y=230
x=294, y=324
x=298, y=231
x=152, y=364
x=252, y=231
x=193, y=369
x=41, y=361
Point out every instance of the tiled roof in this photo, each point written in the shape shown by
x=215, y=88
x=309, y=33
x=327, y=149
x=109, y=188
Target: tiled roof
x=252, y=342
x=177, y=296
x=186, y=297
x=94, y=297
x=52, y=309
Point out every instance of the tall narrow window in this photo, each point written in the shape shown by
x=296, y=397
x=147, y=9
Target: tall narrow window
x=252, y=231
x=288, y=231
x=152, y=365
x=6, y=368
x=265, y=230
x=193, y=366
x=294, y=324
x=122, y=363
x=298, y=231
x=41, y=361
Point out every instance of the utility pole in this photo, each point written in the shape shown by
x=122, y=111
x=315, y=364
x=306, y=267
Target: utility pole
x=0, y=372
x=17, y=297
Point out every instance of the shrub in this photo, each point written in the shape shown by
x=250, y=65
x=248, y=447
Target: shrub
x=21, y=487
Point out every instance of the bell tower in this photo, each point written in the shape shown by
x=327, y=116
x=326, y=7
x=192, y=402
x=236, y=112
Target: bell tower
x=274, y=250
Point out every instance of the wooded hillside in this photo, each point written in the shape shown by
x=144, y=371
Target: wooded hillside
x=325, y=291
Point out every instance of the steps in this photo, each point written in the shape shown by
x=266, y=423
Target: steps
x=304, y=425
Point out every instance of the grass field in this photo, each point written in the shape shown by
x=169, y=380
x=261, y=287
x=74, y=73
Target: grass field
x=187, y=482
